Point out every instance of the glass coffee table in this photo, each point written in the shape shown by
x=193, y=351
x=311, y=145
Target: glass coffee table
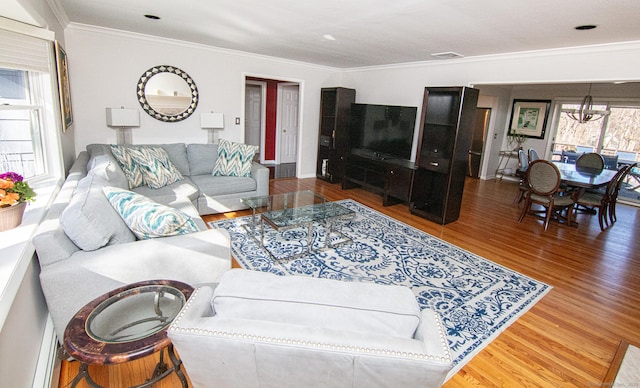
x=126, y=324
x=299, y=209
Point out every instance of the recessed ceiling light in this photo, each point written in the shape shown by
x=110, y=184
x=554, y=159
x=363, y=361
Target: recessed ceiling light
x=152, y=17
x=585, y=27
x=328, y=37
x=447, y=55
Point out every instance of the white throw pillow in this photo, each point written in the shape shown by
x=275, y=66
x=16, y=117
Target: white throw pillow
x=146, y=218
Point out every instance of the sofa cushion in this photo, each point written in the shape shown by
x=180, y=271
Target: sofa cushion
x=326, y=303
x=146, y=218
x=234, y=159
x=89, y=221
x=202, y=158
x=221, y=185
x=131, y=169
x=156, y=167
x=106, y=167
x=183, y=188
x=178, y=155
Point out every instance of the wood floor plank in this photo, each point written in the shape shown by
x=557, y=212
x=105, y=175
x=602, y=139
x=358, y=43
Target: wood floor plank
x=570, y=337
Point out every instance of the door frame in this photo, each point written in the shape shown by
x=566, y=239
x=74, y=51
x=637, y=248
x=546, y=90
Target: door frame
x=301, y=88
x=281, y=85
x=263, y=113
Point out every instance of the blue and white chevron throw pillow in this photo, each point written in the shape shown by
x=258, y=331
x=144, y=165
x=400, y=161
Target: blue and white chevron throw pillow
x=130, y=168
x=146, y=218
x=234, y=159
x=157, y=169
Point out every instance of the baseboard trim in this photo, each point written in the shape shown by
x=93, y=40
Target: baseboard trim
x=615, y=364
x=48, y=368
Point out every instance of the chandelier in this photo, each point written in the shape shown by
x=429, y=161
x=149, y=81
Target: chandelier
x=586, y=112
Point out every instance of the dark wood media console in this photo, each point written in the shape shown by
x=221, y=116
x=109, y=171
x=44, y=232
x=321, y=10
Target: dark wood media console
x=390, y=177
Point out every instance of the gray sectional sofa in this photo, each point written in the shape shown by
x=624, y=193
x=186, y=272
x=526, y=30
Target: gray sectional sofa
x=85, y=249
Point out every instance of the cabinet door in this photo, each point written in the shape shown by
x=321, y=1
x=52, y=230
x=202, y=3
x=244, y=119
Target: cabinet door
x=327, y=116
x=398, y=182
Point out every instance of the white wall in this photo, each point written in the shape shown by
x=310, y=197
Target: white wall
x=105, y=66
x=23, y=330
x=404, y=84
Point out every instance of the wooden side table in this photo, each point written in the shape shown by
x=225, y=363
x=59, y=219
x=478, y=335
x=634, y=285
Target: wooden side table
x=126, y=324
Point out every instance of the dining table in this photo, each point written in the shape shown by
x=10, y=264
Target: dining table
x=584, y=177
x=581, y=179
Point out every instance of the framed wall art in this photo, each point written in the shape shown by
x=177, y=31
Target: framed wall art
x=529, y=118
x=63, y=86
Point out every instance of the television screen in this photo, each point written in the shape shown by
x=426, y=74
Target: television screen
x=385, y=130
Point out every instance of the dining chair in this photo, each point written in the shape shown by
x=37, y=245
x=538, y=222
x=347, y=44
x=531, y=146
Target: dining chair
x=590, y=160
x=543, y=179
x=614, y=198
x=569, y=157
x=521, y=172
x=533, y=155
x=603, y=201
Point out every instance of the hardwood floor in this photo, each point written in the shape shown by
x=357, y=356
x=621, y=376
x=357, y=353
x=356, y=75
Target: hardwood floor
x=569, y=338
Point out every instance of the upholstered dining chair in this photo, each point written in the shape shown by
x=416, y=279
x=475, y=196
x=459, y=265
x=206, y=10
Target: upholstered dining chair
x=533, y=155
x=543, y=179
x=590, y=160
x=521, y=172
x=603, y=202
x=614, y=198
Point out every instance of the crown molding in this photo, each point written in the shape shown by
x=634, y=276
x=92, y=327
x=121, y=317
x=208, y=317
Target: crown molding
x=198, y=46
x=591, y=49
x=59, y=12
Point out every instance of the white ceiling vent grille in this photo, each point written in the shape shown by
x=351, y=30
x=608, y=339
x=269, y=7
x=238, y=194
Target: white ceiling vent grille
x=447, y=55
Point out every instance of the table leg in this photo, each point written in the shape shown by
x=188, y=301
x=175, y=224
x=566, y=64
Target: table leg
x=309, y=237
x=83, y=373
x=177, y=363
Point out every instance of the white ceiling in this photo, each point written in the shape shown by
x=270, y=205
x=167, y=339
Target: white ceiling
x=369, y=32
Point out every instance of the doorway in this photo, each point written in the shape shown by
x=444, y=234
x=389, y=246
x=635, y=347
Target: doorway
x=477, y=141
x=272, y=123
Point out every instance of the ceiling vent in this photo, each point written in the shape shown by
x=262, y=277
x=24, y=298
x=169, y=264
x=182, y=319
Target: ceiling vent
x=447, y=55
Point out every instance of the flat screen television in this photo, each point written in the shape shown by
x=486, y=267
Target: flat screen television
x=384, y=131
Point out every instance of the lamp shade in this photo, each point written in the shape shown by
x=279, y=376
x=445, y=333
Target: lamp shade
x=212, y=120
x=120, y=117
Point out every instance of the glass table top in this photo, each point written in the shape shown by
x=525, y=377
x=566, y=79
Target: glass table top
x=135, y=313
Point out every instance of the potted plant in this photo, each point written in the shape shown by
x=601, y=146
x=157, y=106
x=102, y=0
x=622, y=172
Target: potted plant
x=14, y=195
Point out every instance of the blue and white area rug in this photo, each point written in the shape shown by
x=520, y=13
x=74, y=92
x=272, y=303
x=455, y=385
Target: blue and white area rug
x=476, y=298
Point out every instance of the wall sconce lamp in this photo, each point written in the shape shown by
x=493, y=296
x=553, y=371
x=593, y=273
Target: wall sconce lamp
x=123, y=119
x=212, y=121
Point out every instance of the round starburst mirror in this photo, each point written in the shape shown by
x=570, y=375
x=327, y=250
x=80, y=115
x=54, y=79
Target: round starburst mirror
x=167, y=93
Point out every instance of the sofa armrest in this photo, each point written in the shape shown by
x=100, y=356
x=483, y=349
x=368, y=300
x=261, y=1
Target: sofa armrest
x=261, y=174
x=196, y=258
x=193, y=258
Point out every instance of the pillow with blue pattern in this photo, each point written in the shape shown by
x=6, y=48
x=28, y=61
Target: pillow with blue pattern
x=130, y=168
x=146, y=165
x=146, y=218
x=234, y=159
x=156, y=167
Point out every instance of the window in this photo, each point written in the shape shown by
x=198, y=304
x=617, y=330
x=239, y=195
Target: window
x=21, y=111
x=616, y=137
x=615, y=134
